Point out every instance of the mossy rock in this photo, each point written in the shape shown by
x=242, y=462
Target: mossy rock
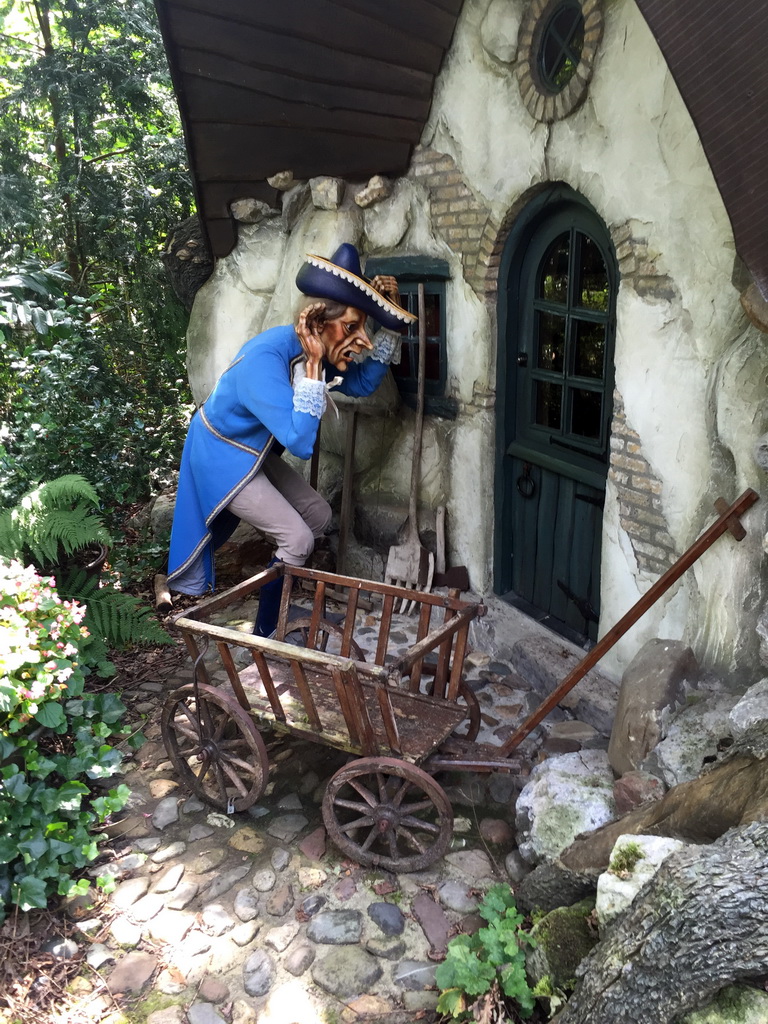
x=563, y=938
x=737, y=1004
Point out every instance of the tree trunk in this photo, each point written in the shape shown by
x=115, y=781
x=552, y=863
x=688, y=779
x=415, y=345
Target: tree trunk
x=700, y=925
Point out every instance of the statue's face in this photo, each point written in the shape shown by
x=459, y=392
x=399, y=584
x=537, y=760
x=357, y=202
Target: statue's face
x=344, y=337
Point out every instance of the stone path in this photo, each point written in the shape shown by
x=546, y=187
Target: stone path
x=257, y=917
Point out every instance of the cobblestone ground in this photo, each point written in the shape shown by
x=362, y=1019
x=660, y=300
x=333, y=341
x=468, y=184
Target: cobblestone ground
x=219, y=919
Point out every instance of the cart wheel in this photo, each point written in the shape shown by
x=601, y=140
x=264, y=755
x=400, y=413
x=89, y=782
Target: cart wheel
x=387, y=813
x=215, y=747
x=329, y=636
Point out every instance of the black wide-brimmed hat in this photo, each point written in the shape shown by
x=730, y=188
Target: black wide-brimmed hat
x=341, y=280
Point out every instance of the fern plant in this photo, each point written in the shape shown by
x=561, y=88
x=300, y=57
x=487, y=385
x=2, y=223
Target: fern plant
x=51, y=526
x=52, y=522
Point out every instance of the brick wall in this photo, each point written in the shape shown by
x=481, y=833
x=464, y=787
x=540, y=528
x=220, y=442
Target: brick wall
x=458, y=216
x=638, y=265
x=640, y=511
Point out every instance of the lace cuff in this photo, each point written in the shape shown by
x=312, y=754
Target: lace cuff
x=386, y=346
x=309, y=396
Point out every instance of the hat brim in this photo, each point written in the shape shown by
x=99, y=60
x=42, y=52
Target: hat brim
x=327, y=280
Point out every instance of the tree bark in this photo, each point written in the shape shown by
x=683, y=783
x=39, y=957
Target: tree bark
x=700, y=925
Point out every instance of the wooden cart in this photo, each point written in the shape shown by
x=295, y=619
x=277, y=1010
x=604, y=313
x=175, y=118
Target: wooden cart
x=395, y=711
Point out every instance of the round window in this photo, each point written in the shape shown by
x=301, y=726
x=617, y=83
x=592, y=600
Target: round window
x=557, y=45
x=560, y=48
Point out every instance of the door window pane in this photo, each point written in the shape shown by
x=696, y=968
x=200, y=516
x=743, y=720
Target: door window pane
x=553, y=273
x=549, y=400
x=593, y=277
x=589, y=340
x=432, y=311
x=551, y=347
x=586, y=413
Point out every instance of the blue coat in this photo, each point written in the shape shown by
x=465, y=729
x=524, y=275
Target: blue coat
x=250, y=409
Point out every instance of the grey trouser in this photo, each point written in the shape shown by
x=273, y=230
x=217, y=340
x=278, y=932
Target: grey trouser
x=280, y=503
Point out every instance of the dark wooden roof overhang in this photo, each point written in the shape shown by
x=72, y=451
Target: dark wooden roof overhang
x=715, y=54
x=319, y=87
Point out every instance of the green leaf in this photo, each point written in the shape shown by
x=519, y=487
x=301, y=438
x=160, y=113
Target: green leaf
x=29, y=892
x=17, y=788
x=452, y=1002
x=51, y=715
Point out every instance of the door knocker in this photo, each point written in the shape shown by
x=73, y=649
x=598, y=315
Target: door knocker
x=526, y=485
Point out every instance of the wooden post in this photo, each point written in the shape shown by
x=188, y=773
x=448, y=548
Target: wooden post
x=727, y=521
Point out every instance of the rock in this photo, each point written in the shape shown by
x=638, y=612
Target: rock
x=129, y=892
x=242, y=934
x=327, y=193
x=287, y=826
x=433, y=921
x=503, y=787
x=258, y=973
x=280, y=859
x=346, y=972
x=247, y=840
x=170, y=1015
x=246, y=904
x=636, y=788
x=544, y=662
x=147, y=907
x=561, y=941
x=171, y=926
x=737, y=1004
x=216, y=920
x=148, y=844
x=564, y=796
x=499, y=31
x=313, y=846
x=634, y=861
x=299, y=959
x=750, y=710
x=280, y=902
x=312, y=904
x=367, y=1008
x=280, y=938
x=60, y=948
x=568, y=737
x=388, y=917
x=456, y=896
x=169, y=879
x=282, y=181
x=200, y=831
x=496, y=831
x=692, y=736
x=515, y=866
x=98, y=955
x=132, y=973
x=183, y=895
x=204, y=1013
x=166, y=812
x=414, y=975
x=213, y=990
x=312, y=878
x=378, y=188
x=251, y=211
x=653, y=684
x=192, y=805
x=386, y=948
x=264, y=880
x=162, y=787
x=125, y=933
x=171, y=982
x=345, y=889
x=225, y=882
x=336, y=927
x=289, y=802
x=243, y=1013
x=552, y=885
x=473, y=866
x=209, y=860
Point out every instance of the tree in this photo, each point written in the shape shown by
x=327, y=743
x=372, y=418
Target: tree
x=92, y=176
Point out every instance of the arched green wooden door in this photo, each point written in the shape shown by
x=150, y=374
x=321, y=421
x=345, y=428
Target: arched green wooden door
x=556, y=372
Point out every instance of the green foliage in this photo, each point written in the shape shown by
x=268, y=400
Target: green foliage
x=57, y=518
x=56, y=521
x=489, y=965
x=53, y=737
x=625, y=858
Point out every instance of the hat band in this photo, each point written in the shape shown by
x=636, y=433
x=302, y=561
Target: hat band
x=363, y=286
